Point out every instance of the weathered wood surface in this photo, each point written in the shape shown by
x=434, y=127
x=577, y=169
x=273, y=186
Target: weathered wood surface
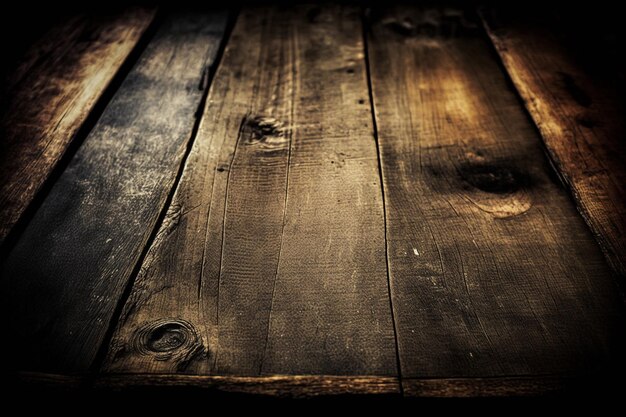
x=62, y=281
x=49, y=96
x=311, y=386
x=580, y=115
x=493, y=272
x=285, y=266
x=514, y=386
x=293, y=386
x=271, y=258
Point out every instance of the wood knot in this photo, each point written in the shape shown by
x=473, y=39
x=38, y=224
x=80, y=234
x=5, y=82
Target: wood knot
x=498, y=189
x=491, y=179
x=268, y=132
x=165, y=338
x=263, y=127
x=570, y=85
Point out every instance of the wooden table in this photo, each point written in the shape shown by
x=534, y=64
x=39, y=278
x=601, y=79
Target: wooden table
x=307, y=200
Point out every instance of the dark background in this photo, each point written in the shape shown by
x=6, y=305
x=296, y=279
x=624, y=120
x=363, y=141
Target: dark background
x=596, y=28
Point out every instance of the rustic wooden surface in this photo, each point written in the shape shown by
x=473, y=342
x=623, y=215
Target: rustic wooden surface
x=515, y=386
x=292, y=386
x=271, y=258
x=358, y=204
x=482, y=281
x=91, y=229
x=49, y=96
x=311, y=386
x=581, y=119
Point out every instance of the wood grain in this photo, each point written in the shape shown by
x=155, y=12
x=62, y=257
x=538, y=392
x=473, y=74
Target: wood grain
x=310, y=386
x=20, y=382
x=493, y=272
x=272, y=257
x=62, y=281
x=581, y=119
x=284, y=386
x=49, y=96
x=529, y=386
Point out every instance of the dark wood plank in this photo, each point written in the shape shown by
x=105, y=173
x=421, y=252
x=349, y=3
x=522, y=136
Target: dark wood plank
x=535, y=386
x=50, y=94
x=493, y=272
x=291, y=386
x=21, y=382
x=272, y=258
x=311, y=386
x=580, y=116
x=62, y=281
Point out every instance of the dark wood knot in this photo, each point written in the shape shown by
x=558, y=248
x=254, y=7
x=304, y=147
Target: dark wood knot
x=265, y=132
x=570, y=85
x=165, y=338
x=261, y=127
x=496, y=188
x=491, y=178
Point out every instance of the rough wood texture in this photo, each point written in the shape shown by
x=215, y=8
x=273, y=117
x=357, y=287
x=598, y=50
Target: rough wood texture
x=486, y=387
x=293, y=386
x=581, y=119
x=310, y=386
x=62, y=281
x=49, y=96
x=42, y=382
x=272, y=256
x=493, y=272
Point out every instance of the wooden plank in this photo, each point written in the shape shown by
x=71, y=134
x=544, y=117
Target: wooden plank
x=580, y=116
x=271, y=258
x=284, y=386
x=41, y=382
x=49, y=96
x=312, y=386
x=529, y=386
x=62, y=281
x=493, y=272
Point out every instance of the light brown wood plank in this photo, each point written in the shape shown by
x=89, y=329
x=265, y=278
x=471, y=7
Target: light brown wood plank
x=581, y=119
x=61, y=283
x=50, y=95
x=493, y=272
x=272, y=256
